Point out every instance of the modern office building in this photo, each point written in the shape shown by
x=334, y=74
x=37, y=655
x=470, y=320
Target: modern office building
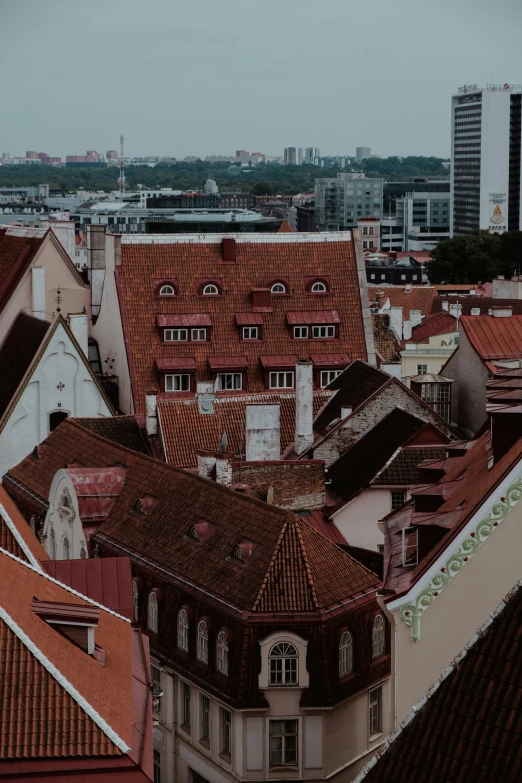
x=293, y=156
x=340, y=201
x=485, y=153
x=311, y=154
x=424, y=218
x=362, y=153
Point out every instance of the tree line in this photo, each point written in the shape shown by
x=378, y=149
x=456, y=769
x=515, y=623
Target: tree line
x=476, y=258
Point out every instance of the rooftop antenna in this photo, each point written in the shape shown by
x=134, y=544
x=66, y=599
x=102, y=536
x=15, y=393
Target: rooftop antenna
x=122, y=169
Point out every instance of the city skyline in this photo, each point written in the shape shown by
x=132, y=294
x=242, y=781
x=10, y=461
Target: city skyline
x=187, y=82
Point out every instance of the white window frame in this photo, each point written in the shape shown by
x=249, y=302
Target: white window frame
x=323, y=332
x=275, y=286
x=250, y=332
x=175, y=335
x=345, y=654
x=300, y=332
x=135, y=600
x=375, y=712
x=198, y=335
x=205, y=719
x=394, y=504
x=222, y=653
x=152, y=612
x=210, y=289
x=319, y=287
x=228, y=381
x=225, y=739
x=285, y=675
x=378, y=637
x=177, y=379
x=171, y=292
x=327, y=376
x=276, y=380
x=183, y=630
x=284, y=762
x=202, y=642
x=421, y=371
x=410, y=546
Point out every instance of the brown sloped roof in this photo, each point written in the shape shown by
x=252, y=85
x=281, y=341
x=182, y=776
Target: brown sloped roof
x=415, y=297
x=18, y=350
x=18, y=247
x=436, y=323
x=16, y=537
x=162, y=536
x=123, y=430
x=403, y=468
x=469, y=729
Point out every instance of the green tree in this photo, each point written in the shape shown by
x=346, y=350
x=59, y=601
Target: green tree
x=470, y=258
x=262, y=189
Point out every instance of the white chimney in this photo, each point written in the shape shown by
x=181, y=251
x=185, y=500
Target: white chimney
x=406, y=330
x=345, y=411
x=455, y=309
x=501, y=312
x=304, y=433
x=475, y=311
x=263, y=432
x=38, y=291
x=206, y=462
x=392, y=368
x=415, y=317
x=151, y=413
x=79, y=326
x=396, y=321
x=445, y=306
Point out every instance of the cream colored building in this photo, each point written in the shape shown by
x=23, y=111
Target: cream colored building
x=428, y=357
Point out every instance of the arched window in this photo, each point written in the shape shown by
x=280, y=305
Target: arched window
x=135, y=597
x=152, y=613
x=345, y=654
x=210, y=290
x=66, y=549
x=222, y=653
x=52, y=545
x=202, y=646
x=378, y=637
x=183, y=630
x=283, y=663
x=167, y=290
x=319, y=288
x=278, y=288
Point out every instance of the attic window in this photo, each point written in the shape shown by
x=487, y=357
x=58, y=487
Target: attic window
x=319, y=287
x=210, y=290
x=278, y=288
x=74, y=621
x=167, y=290
x=145, y=504
x=410, y=540
x=243, y=552
x=200, y=531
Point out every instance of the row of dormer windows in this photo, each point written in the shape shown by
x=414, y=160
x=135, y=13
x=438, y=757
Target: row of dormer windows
x=248, y=333
x=234, y=381
x=213, y=289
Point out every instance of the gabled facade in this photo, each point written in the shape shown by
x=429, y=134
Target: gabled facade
x=37, y=277
x=238, y=311
x=45, y=378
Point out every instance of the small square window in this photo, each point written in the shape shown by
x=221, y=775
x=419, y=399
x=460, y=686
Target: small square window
x=177, y=383
x=300, y=332
x=198, y=335
x=397, y=498
x=422, y=369
x=281, y=380
x=250, y=333
x=175, y=335
x=375, y=712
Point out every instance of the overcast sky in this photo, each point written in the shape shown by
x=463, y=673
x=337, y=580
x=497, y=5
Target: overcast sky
x=200, y=77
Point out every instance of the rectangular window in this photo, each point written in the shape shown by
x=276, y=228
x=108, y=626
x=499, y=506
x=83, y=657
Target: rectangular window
x=281, y=380
x=283, y=743
x=365, y=244
x=323, y=331
x=177, y=383
x=198, y=335
x=300, y=332
x=250, y=333
x=327, y=376
x=370, y=230
x=372, y=277
x=375, y=712
x=397, y=498
x=185, y=705
x=175, y=335
x=156, y=687
x=204, y=719
x=365, y=229
x=157, y=766
x=422, y=369
x=229, y=381
x=410, y=546
x=226, y=732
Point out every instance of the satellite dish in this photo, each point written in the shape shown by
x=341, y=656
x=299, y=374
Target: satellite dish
x=223, y=445
x=270, y=495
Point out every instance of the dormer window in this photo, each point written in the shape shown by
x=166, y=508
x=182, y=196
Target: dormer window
x=278, y=288
x=177, y=383
x=300, y=332
x=167, y=290
x=175, y=335
x=323, y=332
x=222, y=653
x=198, y=335
x=345, y=654
x=319, y=287
x=135, y=600
x=77, y=622
x=283, y=665
x=210, y=289
x=410, y=539
x=378, y=637
x=152, y=612
x=202, y=642
x=183, y=630
x=250, y=333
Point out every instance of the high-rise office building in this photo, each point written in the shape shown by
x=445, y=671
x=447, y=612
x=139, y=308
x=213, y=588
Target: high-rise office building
x=339, y=202
x=311, y=153
x=290, y=156
x=362, y=153
x=485, y=154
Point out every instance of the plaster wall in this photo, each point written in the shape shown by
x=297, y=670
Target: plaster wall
x=358, y=519
x=60, y=382
x=457, y=612
x=74, y=295
x=63, y=520
x=108, y=330
x=469, y=398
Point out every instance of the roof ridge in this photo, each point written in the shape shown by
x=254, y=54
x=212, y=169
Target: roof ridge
x=271, y=564
x=297, y=524
x=19, y=540
x=64, y=682
x=453, y=666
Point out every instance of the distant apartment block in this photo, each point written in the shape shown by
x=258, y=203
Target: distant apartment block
x=424, y=218
x=341, y=201
x=362, y=153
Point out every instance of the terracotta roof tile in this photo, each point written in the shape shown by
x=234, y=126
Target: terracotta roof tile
x=16, y=536
x=123, y=430
x=293, y=257
x=437, y=323
x=409, y=298
x=403, y=468
x=494, y=338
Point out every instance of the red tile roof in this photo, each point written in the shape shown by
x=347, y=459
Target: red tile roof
x=285, y=228
x=387, y=345
x=249, y=319
x=468, y=729
x=228, y=362
x=437, y=323
x=330, y=359
x=124, y=430
x=80, y=708
x=194, y=319
x=315, y=317
x=418, y=255
x=184, y=429
x=415, y=297
x=176, y=364
x=293, y=257
x=291, y=564
x=494, y=338
x=325, y=526
x=269, y=362
x=16, y=537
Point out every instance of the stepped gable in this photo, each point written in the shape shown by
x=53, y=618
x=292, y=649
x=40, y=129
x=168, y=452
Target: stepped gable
x=258, y=261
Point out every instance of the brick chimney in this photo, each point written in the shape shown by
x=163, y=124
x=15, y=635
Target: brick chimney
x=304, y=433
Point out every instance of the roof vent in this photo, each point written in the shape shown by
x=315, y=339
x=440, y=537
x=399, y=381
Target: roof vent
x=145, y=504
x=243, y=551
x=200, y=531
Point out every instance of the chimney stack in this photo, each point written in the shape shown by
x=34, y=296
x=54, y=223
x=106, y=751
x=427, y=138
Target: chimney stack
x=396, y=321
x=304, y=433
x=151, y=413
x=79, y=326
x=263, y=432
x=38, y=291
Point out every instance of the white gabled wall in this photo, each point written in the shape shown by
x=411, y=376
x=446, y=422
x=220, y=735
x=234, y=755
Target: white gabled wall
x=60, y=382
